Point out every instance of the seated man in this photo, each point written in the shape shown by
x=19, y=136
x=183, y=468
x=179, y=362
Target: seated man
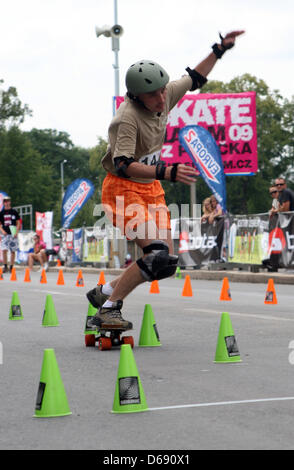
x=39, y=254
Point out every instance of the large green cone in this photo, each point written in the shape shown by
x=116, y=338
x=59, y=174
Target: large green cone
x=129, y=395
x=51, y=398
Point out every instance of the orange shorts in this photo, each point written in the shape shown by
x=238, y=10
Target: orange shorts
x=128, y=204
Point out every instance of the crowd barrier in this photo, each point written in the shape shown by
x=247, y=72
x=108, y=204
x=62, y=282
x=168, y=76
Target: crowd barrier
x=250, y=239
x=237, y=239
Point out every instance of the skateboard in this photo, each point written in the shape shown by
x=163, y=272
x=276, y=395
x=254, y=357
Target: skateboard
x=106, y=342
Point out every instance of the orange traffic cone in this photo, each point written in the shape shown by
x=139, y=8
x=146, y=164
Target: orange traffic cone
x=101, y=280
x=58, y=263
x=270, y=296
x=154, y=287
x=13, y=275
x=225, y=292
x=43, y=278
x=1, y=275
x=187, y=289
x=80, y=279
x=27, y=276
x=60, y=280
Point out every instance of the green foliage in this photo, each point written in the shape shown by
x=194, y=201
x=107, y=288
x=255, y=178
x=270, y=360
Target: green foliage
x=12, y=112
x=23, y=173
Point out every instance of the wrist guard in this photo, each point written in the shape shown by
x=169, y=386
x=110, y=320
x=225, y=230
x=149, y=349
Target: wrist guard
x=173, y=173
x=197, y=79
x=160, y=170
x=218, y=52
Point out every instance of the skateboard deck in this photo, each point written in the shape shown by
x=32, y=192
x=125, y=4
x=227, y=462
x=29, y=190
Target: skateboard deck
x=108, y=338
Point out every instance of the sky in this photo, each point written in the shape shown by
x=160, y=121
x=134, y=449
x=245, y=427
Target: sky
x=49, y=51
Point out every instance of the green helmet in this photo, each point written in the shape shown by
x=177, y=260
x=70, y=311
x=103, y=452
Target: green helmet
x=145, y=76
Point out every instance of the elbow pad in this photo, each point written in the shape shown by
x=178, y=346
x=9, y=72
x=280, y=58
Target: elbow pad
x=197, y=79
x=121, y=164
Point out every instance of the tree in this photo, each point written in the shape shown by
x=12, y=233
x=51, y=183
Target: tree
x=24, y=176
x=12, y=111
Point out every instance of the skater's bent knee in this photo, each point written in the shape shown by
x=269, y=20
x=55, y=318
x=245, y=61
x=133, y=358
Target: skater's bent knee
x=158, y=263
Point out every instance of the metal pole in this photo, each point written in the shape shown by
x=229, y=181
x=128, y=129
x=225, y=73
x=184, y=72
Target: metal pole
x=62, y=180
x=115, y=48
x=61, y=173
x=193, y=200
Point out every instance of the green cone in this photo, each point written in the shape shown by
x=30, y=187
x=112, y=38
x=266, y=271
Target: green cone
x=51, y=397
x=15, y=312
x=49, y=317
x=129, y=395
x=178, y=274
x=226, y=349
x=149, y=335
x=89, y=330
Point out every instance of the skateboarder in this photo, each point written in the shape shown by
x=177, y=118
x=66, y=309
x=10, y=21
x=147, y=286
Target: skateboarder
x=136, y=136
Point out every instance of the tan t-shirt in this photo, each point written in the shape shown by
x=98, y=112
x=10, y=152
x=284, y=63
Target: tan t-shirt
x=138, y=133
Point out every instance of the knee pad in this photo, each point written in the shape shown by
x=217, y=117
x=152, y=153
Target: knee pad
x=158, y=264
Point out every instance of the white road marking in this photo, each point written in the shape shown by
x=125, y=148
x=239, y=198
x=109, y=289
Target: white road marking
x=221, y=403
x=239, y=314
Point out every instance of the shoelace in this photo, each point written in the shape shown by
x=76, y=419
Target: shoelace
x=115, y=314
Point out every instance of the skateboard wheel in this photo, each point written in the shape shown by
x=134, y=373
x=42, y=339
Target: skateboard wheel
x=90, y=340
x=104, y=343
x=128, y=340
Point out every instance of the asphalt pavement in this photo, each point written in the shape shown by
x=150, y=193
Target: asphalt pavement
x=193, y=403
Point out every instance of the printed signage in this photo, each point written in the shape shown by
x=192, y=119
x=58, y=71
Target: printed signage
x=205, y=155
x=231, y=120
x=76, y=195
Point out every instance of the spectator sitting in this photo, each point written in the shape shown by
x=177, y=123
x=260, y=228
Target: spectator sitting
x=273, y=190
x=206, y=210
x=39, y=254
x=216, y=209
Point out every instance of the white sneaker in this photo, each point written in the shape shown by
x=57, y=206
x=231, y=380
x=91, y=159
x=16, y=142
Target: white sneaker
x=46, y=266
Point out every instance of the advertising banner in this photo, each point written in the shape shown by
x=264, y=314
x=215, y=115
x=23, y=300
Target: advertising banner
x=231, y=120
x=44, y=227
x=95, y=249
x=248, y=240
x=25, y=246
x=241, y=239
x=200, y=243
x=76, y=195
x=77, y=245
x=205, y=155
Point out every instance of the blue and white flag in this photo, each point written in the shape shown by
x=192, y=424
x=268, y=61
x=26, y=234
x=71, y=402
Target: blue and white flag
x=76, y=195
x=2, y=196
x=77, y=248
x=205, y=154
